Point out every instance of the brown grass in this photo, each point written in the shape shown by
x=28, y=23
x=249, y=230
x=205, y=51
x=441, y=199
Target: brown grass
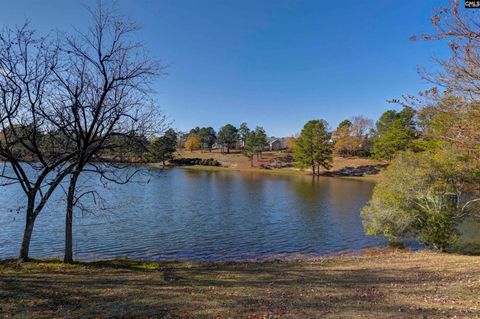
x=375, y=285
x=235, y=161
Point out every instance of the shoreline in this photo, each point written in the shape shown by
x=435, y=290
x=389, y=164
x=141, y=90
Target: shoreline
x=278, y=172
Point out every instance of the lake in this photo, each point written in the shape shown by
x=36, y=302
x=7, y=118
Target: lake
x=183, y=214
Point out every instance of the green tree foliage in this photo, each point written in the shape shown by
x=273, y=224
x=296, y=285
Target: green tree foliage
x=344, y=123
x=395, y=131
x=422, y=195
x=314, y=147
x=260, y=140
x=255, y=143
x=162, y=149
x=228, y=137
x=243, y=131
x=208, y=137
x=249, y=147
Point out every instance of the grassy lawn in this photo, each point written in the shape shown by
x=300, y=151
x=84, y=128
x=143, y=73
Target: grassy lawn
x=236, y=162
x=374, y=285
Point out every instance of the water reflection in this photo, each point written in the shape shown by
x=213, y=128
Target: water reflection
x=200, y=215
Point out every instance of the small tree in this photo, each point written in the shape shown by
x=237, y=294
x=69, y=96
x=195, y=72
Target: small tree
x=313, y=146
x=291, y=144
x=351, y=137
x=163, y=148
x=193, y=142
x=228, y=136
x=243, y=131
x=207, y=137
x=249, y=148
x=395, y=131
x=260, y=141
x=344, y=141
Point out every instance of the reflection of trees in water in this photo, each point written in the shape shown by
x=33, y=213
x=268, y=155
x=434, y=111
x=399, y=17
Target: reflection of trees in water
x=334, y=195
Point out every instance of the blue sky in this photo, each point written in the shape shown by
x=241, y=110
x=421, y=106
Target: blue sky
x=276, y=63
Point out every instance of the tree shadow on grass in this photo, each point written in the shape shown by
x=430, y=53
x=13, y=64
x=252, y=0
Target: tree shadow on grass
x=283, y=289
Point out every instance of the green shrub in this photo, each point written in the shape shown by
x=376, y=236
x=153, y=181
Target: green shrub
x=195, y=161
x=421, y=195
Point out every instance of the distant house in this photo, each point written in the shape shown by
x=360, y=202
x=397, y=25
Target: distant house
x=274, y=144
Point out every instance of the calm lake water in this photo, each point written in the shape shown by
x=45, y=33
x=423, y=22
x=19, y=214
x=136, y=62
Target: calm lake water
x=198, y=215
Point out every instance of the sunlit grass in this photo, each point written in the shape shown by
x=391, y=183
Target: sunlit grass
x=375, y=285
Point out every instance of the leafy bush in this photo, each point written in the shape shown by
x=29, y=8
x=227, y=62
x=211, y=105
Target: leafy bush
x=421, y=195
x=195, y=161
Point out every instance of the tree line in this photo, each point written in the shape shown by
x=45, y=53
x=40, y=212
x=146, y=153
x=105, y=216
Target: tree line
x=394, y=131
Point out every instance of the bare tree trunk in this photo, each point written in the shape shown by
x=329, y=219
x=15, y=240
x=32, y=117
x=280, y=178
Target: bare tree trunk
x=68, y=257
x=27, y=233
x=27, y=237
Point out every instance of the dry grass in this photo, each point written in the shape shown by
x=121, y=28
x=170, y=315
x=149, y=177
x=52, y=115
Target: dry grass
x=383, y=285
x=235, y=161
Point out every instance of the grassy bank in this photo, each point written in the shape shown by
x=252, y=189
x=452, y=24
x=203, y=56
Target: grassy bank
x=282, y=172
x=375, y=285
x=236, y=162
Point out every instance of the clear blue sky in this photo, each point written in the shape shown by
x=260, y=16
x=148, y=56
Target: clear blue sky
x=276, y=63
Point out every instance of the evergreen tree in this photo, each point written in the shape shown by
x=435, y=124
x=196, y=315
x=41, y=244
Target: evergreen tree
x=260, y=140
x=228, y=136
x=208, y=137
x=243, y=131
x=249, y=147
x=395, y=131
x=314, y=147
x=163, y=148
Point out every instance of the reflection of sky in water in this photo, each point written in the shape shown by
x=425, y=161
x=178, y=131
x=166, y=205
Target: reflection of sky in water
x=199, y=215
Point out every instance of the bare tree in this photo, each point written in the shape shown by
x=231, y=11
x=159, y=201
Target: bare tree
x=459, y=75
x=106, y=104
x=361, y=126
x=460, y=29
x=32, y=155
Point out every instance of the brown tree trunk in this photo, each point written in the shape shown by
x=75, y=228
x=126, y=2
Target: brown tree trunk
x=68, y=257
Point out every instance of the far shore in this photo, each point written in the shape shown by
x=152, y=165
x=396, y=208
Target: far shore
x=278, y=172
x=236, y=162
